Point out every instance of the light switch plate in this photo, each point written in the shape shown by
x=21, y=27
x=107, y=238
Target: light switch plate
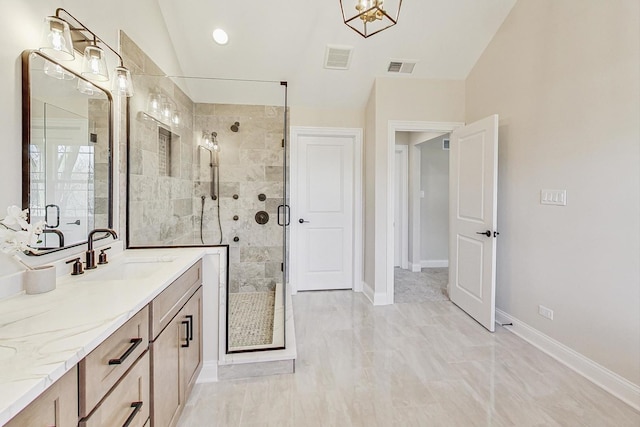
x=553, y=197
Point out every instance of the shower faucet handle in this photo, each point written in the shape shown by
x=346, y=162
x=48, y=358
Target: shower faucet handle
x=302, y=221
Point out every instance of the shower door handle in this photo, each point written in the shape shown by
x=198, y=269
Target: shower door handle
x=46, y=215
x=287, y=215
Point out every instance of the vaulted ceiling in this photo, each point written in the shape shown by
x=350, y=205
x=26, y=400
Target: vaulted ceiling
x=286, y=40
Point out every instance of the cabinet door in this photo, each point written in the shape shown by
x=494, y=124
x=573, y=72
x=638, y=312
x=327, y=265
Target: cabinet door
x=166, y=382
x=192, y=355
x=57, y=406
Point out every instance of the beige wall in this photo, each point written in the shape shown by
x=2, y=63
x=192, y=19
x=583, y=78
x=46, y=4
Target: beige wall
x=434, y=206
x=322, y=117
x=407, y=100
x=564, y=77
x=369, y=191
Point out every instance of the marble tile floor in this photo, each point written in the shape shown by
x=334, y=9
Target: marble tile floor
x=415, y=364
x=429, y=284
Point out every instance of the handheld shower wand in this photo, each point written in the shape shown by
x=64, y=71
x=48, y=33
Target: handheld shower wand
x=211, y=145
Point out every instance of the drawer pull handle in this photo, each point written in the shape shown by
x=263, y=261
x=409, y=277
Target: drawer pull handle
x=137, y=407
x=190, y=317
x=134, y=343
x=186, y=323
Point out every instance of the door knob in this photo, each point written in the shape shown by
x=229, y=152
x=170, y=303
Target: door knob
x=486, y=233
x=302, y=221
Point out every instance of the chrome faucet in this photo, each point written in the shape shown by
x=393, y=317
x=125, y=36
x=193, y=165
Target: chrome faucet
x=90, y=253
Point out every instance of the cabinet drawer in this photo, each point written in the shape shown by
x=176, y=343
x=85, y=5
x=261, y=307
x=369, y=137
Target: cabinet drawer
x=104, y=366
x=57, y=406
x=128, y=402
x=166, y=305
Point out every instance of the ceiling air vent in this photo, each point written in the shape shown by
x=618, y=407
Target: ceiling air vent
x=338, y=57
x=402, y=67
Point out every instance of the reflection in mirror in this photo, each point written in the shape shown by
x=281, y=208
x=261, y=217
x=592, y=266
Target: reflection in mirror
x=66, y=152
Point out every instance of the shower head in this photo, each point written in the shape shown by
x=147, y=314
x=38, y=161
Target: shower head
x=235, y=127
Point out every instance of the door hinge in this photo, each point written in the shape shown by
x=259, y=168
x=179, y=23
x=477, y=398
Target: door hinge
x=282, y=266
x=282, y=142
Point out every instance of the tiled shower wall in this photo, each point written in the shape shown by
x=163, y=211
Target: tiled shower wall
x=160, y=203
x=251, y=163
x=99, y=125
x=166, y=210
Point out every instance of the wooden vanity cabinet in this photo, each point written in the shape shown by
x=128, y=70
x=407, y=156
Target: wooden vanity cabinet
x=128, y=403
x=57, y=406
x=176, y=350
x=104, y=366
x=113, y=380
x=140, y=376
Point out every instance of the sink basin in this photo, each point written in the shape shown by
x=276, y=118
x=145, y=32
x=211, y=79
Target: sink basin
x=134, y=268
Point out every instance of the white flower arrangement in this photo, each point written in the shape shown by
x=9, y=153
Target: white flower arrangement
x=16, y=234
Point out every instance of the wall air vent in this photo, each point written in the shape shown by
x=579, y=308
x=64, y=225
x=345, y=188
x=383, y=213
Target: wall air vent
x=401, y=67
x=338, y=57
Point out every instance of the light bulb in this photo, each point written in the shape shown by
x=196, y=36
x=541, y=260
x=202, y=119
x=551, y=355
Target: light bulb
x=56, y=39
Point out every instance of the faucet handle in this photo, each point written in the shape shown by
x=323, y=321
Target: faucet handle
x=77, y=266
x=102, y=258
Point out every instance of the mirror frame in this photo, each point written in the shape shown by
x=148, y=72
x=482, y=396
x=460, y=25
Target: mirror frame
x=26, y=141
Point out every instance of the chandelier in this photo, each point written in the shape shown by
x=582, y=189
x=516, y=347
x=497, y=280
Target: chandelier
x=369, y=17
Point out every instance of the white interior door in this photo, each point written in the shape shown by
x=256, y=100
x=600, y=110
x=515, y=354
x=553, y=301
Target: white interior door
x=473, y=189
x=324, y=207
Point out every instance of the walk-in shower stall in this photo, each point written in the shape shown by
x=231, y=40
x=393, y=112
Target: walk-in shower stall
x=207, y=165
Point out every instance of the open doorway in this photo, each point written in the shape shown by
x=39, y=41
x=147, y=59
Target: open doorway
x=421, y=175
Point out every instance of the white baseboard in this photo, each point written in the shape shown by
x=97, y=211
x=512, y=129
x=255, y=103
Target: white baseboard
x=415, y=268
x=209, y=372
x=434, y=263
x=620, y=387
x=379, y=298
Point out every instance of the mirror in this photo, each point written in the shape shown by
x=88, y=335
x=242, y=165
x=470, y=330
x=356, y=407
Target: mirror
x=66, y=152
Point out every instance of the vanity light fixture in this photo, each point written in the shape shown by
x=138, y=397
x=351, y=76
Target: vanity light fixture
x=56, y=71
x=369, y=17
x=56, y=39
x=63, y=33
x=122, y=84
x=176, y=119
x=86, y=87
x=94, y=64
x=220, y=36
x=166, y=110
x=153, y=104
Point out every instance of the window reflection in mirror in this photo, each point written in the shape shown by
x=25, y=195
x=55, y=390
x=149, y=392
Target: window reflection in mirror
x=66, y=152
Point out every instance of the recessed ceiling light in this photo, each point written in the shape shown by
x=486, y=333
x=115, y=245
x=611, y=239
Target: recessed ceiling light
x=220, y=36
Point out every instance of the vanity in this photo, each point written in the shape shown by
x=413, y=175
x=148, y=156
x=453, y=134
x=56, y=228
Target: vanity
x=119, y=345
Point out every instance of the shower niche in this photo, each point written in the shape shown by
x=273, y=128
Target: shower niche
x=217, y=176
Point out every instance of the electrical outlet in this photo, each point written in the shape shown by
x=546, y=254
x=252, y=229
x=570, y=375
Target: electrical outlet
x=545, y=312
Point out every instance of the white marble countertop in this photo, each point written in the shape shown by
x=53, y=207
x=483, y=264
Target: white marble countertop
x=43, y=336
